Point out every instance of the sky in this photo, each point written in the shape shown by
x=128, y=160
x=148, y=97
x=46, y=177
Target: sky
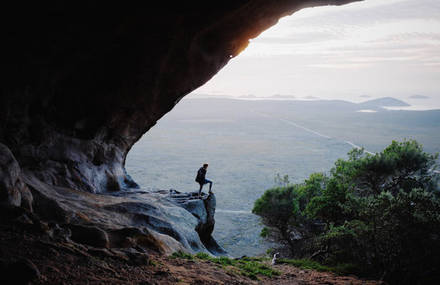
x=356, y=52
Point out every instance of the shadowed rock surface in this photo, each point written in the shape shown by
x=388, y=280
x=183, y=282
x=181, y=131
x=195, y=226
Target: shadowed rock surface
x=81, y=83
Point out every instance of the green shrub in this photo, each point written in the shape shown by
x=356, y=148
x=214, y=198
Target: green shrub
x=264, y=232
x=380, y=212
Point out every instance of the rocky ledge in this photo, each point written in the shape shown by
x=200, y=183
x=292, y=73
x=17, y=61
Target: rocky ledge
x=203, y=209
x=162, y=221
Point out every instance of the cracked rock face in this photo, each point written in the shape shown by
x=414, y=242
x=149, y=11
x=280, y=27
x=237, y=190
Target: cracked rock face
x=81, y=83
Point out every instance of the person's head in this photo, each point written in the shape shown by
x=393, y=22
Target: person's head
x=205, y=165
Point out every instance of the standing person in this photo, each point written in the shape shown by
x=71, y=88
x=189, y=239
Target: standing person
x=201, y=178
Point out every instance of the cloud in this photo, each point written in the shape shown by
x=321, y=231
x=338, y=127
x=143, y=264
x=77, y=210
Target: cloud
x=249, y=96
x=366, y=13
x=413, y=40
x=385, y=48
x=280, y=96
x=301, y=37
x=341, y=65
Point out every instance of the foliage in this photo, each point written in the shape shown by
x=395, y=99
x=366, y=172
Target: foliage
x=283, y=208
x=276, y=206
x=380, y=212
x=264, y=232
x=279, y=209
x=250, y=267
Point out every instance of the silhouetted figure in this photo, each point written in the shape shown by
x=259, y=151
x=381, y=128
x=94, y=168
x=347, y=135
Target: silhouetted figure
x=201, y=178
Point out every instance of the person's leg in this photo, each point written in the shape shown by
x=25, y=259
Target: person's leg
x=210, y=184
x=200, y=190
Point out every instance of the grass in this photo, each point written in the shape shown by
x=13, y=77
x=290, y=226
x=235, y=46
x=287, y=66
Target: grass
x=248, y=266
x=253, y=266
x=182, y=255
x=339, y=269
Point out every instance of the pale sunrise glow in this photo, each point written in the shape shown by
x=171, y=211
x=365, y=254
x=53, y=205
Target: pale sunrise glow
x=366, y=49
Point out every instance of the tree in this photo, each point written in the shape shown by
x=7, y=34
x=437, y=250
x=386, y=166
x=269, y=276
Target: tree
x=278, y=208
x=381, y=212
x=281, y=181
x=282, y=210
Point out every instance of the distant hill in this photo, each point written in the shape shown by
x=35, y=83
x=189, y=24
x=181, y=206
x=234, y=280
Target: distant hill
x=317, y=104
x=418, y=97
x=383, y=102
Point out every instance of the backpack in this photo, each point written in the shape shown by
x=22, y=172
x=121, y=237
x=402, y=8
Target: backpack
x=199, y=175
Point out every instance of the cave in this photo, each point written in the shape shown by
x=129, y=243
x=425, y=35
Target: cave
x=81, y=83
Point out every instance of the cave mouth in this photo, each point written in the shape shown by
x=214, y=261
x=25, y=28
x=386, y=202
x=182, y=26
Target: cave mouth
x=78, y=92
x=82, y=84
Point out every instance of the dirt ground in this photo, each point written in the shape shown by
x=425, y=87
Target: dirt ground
x=29, y=258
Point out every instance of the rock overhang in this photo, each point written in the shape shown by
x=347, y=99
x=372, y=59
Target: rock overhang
x=81, y=83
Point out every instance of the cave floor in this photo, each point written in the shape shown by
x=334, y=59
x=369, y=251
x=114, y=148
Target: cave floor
x=60, y=262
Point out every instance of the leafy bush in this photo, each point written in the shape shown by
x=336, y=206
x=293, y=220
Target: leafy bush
x=379, y=212
x=283, y=211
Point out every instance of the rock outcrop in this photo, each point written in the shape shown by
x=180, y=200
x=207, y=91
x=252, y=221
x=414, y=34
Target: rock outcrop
x=81, y=83
x=204, y=210
x=130, y=219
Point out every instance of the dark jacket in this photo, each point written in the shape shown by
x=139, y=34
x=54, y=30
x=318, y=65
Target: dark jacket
x=201, y=173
